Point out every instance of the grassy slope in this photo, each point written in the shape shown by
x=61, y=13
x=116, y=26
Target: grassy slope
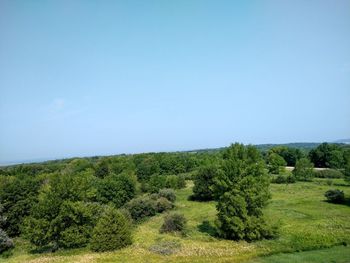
x=307, y=223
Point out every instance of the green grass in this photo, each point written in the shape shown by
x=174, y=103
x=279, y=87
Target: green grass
x=307, y=223
x=330, y=255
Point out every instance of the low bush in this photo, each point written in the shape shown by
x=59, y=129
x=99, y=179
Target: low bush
x=168, y=194
x=328, y=173
x=112, y=231
x=335, y=196
x=173, y=222
x=163, y=204
x=283, y=179
x=141, y=207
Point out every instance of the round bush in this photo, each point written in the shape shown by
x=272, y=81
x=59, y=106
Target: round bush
x=141, y=207
x=168, y=194
x=173, y=222
x=163, y=204
x=335, y=196
x=113, y=231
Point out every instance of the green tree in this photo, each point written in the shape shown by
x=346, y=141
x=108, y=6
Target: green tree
x=17, y=195
x=242, y=191
x=116, y=189
x=290, y=155
x=203, y=182
x=156, y=182
x=58, y=218
x=146, y=166
x=327, y=155
x=102, y=168
x=113, y=231
x=303, y=170
x=276, y=163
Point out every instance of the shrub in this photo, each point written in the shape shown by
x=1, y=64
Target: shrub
x=173, y=222
x=5, y=242
x=171, y=181
x=303, y=170
x=113, y=231
x=163, y=204
x=203, y=183
x=141, y=207
x=117, y=189
x=71, y=228
x=328, y=173
x=168, y=194
x=181, y=181
x=335, y=196
x=283, y=179
x=156, y=182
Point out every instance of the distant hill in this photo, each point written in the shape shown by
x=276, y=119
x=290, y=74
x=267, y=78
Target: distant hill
x=345, y=141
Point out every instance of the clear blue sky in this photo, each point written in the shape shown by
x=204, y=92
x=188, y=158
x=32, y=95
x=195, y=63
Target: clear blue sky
x=80, y=78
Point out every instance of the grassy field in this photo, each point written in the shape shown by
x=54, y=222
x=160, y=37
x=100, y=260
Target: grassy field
x=307, y=223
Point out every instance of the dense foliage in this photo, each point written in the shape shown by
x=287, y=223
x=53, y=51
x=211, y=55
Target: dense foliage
x=17, y=195
x=328, y=155
x=276, y=163
x=242, y=191
x=112, y=231
x=116, y=189
x=203, y=182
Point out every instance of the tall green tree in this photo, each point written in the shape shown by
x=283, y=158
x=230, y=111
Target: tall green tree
x=242, y=191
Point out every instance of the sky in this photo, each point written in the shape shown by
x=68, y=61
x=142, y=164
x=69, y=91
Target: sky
x=86, y=78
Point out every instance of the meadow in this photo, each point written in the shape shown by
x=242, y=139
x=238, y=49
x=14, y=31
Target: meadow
x=310, y=230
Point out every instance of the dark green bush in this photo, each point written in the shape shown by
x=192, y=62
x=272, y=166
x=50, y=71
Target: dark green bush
x=116, y=189
x=173, y=222
x=168, y=194
x=5, y=242
x=141, y=207
x=71, y=228
x=328, y=173
x=163, y=204
x=112, y=231
x=156, y=182
x=335, y=196
x=283, y=179
x=203, y=181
